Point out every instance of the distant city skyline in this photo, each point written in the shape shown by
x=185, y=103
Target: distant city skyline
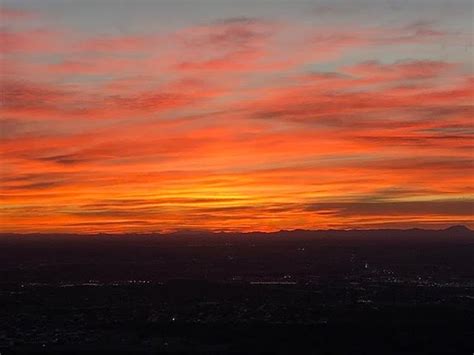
x=139, y=116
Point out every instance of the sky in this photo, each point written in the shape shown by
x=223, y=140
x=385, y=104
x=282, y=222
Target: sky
x=159, y=116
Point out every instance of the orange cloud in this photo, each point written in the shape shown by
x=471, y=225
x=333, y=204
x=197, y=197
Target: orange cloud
x=234, y=125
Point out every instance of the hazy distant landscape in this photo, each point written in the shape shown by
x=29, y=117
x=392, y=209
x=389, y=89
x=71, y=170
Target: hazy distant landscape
x=224, y=256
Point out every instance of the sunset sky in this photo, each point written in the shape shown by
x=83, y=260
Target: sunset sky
x=140, y=116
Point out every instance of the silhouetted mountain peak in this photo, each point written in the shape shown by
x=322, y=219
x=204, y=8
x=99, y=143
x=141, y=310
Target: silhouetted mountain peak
x=459, y=228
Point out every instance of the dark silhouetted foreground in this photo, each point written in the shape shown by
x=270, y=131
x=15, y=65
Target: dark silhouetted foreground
x=310, y=292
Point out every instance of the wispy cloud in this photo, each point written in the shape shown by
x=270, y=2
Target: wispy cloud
x=244, y=123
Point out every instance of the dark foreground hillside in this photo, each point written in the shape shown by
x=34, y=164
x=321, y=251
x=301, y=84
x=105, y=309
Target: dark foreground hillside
x=326, y=292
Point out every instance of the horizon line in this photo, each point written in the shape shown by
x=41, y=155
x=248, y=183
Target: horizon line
x=177, y=232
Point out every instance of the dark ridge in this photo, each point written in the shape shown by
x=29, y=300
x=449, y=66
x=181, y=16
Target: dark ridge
x=458, y=229
x=455, y=230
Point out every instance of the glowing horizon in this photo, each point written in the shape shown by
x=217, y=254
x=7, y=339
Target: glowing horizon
x=235, y=116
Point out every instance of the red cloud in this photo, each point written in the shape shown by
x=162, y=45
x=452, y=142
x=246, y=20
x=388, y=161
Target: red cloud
x=230, y=34
x=403, y=70
x=120, y=44
x=28, y=41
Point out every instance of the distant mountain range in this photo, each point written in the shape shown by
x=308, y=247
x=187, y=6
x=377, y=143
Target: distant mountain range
x=453, y=231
